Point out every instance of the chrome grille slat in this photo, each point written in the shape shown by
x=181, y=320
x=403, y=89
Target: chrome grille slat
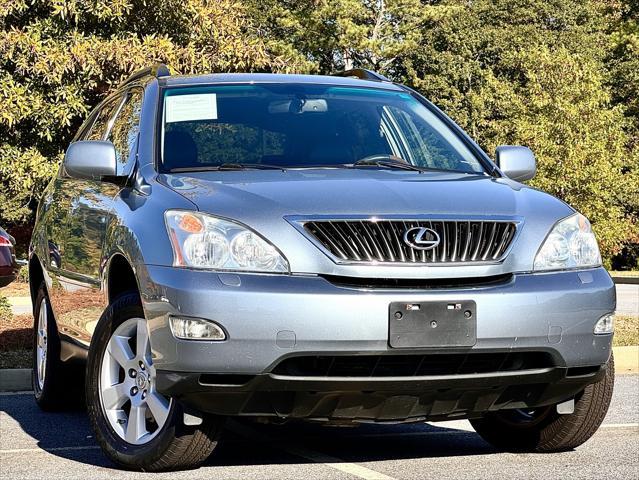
x=490, y=242
x=371, y=241
x=478, y=241
x=346, y=242
x=382, y=241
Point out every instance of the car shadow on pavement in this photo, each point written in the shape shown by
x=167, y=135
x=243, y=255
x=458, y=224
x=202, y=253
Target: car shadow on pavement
x=358, y=444
x=68, y=435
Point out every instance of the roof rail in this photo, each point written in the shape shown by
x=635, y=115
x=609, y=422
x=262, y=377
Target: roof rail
x=362, y=74
x=156, y=70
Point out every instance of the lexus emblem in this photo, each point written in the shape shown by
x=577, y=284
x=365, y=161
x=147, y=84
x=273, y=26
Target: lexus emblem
x=421, y=238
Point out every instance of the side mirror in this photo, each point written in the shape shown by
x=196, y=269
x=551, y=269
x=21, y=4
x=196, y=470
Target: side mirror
x=90, y=160
x=517, y=163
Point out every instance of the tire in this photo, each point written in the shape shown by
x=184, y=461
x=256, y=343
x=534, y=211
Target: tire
x=160, y=441
x=544, y=430
x=51, y=385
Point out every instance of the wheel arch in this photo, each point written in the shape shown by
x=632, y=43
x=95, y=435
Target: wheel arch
x=36, y=276
x=120, y=277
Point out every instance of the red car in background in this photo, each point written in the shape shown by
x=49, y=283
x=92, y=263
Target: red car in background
x=8, y=264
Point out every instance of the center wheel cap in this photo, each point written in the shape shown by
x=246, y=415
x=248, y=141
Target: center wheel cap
x=141, y=380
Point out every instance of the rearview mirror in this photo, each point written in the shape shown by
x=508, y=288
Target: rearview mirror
x=90, y=160
x=517, y=163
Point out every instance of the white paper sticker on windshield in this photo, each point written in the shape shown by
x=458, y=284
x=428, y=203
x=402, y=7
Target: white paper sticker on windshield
x=189, y=108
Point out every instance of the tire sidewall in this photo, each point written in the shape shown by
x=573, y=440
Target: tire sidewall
x=46, y=393
x=128, y=455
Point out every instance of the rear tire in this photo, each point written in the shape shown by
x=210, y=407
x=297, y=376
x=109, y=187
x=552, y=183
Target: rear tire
x=544, y=430
x=50, y=384
x=160, y=441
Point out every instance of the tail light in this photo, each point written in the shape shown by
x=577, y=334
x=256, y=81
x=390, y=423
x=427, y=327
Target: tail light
x=5, y=242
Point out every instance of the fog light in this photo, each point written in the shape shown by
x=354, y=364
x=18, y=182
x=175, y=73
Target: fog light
x=195, y=329
x=605, y=325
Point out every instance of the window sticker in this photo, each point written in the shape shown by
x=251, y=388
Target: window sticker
x=189, y=108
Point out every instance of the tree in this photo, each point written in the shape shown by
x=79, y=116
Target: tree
x=557, y=75
x=623, y=63
x=509, y=72
x=59, y=58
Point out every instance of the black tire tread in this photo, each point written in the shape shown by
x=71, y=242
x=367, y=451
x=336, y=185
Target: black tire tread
x=58, y=393
x=179, y=446
x=570, y=431
x=557, y=432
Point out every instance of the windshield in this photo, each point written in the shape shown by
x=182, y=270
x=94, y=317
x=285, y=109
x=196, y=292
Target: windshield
x=303, y=126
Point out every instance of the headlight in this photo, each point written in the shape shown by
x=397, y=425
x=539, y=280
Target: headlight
x=208, y=242
x=570, y=244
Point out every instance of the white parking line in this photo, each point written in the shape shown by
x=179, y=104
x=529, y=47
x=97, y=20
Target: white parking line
x=620, y=425
x=317, y=457
x=53, y=449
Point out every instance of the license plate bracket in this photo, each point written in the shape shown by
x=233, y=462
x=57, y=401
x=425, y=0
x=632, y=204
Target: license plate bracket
x=433, y=324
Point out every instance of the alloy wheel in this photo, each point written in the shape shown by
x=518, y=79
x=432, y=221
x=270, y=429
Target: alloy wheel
x=132, y=406
x=41, y=345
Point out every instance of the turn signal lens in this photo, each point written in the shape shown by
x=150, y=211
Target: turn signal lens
x=196, y=329
x=190, y=223
x=605, y=325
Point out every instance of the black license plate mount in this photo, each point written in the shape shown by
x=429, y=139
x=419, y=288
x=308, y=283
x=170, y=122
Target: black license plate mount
x=433, y=324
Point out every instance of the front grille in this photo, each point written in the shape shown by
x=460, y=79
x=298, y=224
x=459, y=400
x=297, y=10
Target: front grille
x=383, y=240
x=412, y=365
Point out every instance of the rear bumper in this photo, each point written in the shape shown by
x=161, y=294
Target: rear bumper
x=380, y=399
x=6, y=279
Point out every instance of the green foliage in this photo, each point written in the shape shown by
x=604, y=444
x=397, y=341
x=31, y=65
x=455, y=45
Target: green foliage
x=560, y=76
x=59, y=58
x=530, y=73
x=23, y=274
x=5, y=309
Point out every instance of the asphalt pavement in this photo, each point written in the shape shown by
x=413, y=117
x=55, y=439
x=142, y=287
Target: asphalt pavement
x=628, y=299
x=39, y=445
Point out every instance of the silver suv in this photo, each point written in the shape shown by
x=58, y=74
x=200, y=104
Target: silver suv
x=326, y=248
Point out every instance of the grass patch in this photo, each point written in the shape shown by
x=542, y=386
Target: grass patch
x=626, y=331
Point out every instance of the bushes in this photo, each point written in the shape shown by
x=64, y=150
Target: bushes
x=5, y=310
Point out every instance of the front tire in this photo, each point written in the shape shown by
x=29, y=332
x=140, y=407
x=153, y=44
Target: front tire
x=543, y=429
x=136, y=426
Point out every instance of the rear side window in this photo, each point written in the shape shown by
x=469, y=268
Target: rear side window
x=125, y=129
x=101, y=123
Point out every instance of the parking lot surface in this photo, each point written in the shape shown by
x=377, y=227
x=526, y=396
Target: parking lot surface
x=44, y=445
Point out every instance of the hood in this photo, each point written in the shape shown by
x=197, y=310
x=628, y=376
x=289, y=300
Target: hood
x=263, y=199
x=352, y=191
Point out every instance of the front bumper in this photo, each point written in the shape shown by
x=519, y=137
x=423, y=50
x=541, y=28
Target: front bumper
x=270, y=318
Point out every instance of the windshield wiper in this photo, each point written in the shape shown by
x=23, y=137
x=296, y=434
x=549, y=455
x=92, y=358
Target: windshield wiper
x=249, y=166
x=228, y=167
x=386, y=161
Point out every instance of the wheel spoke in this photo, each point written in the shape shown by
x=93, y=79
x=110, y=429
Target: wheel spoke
x=115, y=396
x=159, y=407
x=127, y=381
x=121, y=351
x=136, y=426
x=142, y=340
